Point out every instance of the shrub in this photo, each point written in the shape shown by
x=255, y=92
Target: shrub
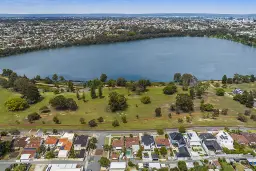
x=115, y=123
x=224, y=111
x=242, y=118
x=253, y=117
x=180, y=120
x=145, y=100
x=56, y=120
x=16, y=104
x=247, y=112
x=220, y=92
x=92, y=123
x=82, y=121
x=160, y=132
x=100, y=119
x=33, y=116
x=170, y=89
x=206, y=107
x=158, y=112
x=124, y=120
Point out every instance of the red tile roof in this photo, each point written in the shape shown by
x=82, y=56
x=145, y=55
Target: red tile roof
x=31, y=152
x=129, y=142
x=162, y=141
x=118, y=143
x=114, y=156
x=51, y=140
x=240, y=139
x=34, y=143
x=66, y=143
x=251, y=137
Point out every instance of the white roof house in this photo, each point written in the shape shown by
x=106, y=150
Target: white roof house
x=69, y=136
x=117, y=166
x=154, y=165
x=193, y=138
x=64, y=167
x=25, y=157
x=63, y=154
x=225, y=140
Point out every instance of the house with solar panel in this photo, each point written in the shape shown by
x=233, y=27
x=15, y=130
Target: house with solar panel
x=225, y=140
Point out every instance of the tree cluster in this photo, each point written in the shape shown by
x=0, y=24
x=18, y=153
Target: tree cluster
x=184, y=102
x=62, y=103
x=246, y=99
x=117, y=102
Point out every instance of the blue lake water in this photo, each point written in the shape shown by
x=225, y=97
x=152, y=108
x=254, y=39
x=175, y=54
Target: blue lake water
x=155, y=59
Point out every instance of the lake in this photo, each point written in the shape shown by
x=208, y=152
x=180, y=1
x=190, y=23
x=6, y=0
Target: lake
x=154, y=59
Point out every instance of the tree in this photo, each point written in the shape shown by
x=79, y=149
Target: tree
x=107, y=147
x=83, y=97
x=230, y=81
x=117, y=102
x=192, y=93
x=158, y=112
x=163, y=151
x=224, y=79
x=100, y=91
x=5, y=147
x=3, y=133
x=55, y=131
x=82, y=121
x=182, y=166
x=160, y=132
x=184, y=102
x=58, y=102
x=16, y=104
x=70, y=86
x=145, y=100
x=188, y=119
x=20, y=84
x=220, y=92
x=33, y=116
x=104, y=162
x=206, y=107
x=49, y=155
x=7, y=72
x=77, y=95
x=253, y=117
x=55, y=77
x=56, y=120
x=247, y=112
x=252, y=78
x=250, y=100
x=71, y=104
x=180, y=120
x=4, y=83
x=182, y=129
x=92, y=123
x=32, y=94
x=170, y=89
x=115, y=123
x=111, y=83
x=131, y=164
x=103, y=78
x=12, y=79
x=100, y=119
x=124, y=119
x=186, y=79
x=93, y=93
x=121, y=82
x=177, y=77
x=62, y=79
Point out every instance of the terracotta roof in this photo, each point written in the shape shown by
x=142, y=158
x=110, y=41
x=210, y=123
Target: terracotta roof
x=129, y=142
x=34, y=143
x=118, y=143
x=20, y=142
x=251, y=137
x=114, y=156
x=51, y=140
x=239, y=138
x=162, y=141
x=66, y=144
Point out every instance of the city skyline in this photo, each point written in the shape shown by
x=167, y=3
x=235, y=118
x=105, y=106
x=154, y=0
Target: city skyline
x=126, y=6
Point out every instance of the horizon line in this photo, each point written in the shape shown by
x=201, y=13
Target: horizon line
x=124, y=13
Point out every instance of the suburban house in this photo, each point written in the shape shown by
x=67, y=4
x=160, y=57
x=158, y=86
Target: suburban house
x=238, y=91
x=19, y=143
x=225, y=140
x=251, y=137
x=239, y=139
x=177, y=139
x=118, y=144
x=114, y=156
x=183, y=153
x=28, y=154
x=209, y=143
x=193, y=139
x=64, y=146
x=33, y=143
x=51, y=142
x=162, y=142
x=117, y=166
x=80, y=142
x=131, y=141
x=147, y=141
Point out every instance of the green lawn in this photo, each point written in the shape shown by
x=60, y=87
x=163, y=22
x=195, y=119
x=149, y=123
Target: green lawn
x=239, y=167
x=92, y=109
x=226, y=167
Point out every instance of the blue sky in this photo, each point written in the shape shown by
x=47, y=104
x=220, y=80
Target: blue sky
x=127, y=6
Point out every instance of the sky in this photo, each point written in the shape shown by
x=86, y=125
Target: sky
x=127, y=6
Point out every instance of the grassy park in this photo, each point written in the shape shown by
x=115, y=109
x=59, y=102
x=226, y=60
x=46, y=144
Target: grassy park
x=95, y=108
